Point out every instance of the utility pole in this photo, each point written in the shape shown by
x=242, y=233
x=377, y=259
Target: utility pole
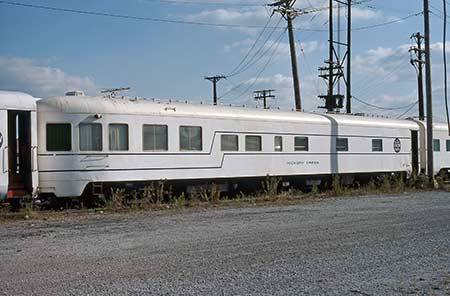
x=264, y=95
x=418, y=62
x=330, y=53
x=289, y=13
x=349, y=58
x=214, y=80
x=430, y=152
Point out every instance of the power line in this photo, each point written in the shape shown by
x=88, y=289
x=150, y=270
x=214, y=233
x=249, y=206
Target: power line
x=260, y=72
x=253, y=60
x=151, y=19
x=131, y=17
x=388, y=23
x=177, y=2
x=251, y=48
x=407, y=111
x=381, y=107
x=278, y=41
x=376, y=82
x=236, y=87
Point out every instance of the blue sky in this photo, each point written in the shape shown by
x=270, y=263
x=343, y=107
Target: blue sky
x=46, y=53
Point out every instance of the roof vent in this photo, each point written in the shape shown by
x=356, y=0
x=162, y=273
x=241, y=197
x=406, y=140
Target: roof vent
x=75, y=93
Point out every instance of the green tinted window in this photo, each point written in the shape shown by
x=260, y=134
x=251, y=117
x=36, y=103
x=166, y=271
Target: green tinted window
x=155, y=137
x=341, y=144
x=191, y=138
x=377, y=145
x=436, y=145
x=301, y=144
x=59, y=137
x=91, y=137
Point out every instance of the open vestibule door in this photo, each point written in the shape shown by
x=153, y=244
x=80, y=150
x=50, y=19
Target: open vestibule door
x=20, y=182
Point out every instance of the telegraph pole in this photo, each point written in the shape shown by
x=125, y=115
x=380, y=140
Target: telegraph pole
x=418, y=62
x=214, y=80
x=289, y=13
x=264, y=95
x=430, y=152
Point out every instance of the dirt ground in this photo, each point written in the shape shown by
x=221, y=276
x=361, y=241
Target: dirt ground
x=392, y=245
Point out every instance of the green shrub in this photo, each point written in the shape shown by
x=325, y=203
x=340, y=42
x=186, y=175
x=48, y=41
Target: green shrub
x=118, y=199
x=337, y=185
x=270, y=185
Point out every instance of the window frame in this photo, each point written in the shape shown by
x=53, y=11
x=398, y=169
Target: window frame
x=298, y=148
x=275, y=143
x=346, y=144
x=128, y=136
x=253, y=136
x=374, y=146
x=229, y=135
x=143, y=136
x=101, y=136
x=46, y=136
x=201, y=137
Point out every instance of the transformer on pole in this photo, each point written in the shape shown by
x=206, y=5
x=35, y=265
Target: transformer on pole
x=417, y=61
x=333, y=71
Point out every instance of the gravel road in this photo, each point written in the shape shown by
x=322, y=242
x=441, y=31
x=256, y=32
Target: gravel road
x=394, y=245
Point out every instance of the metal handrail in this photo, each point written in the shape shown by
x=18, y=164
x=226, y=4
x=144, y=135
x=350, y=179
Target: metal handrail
x=34, y=168
x=4, y=160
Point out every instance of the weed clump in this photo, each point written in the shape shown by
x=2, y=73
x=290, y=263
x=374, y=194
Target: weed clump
x=270, y=185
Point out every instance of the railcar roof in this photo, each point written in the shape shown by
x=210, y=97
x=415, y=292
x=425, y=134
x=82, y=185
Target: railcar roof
x=436, y=125
x=102, y=105
x=12, y=100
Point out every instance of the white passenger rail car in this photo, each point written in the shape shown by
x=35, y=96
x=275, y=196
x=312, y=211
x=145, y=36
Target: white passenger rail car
x=85, y=144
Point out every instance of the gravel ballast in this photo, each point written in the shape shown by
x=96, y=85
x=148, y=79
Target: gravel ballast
x=392, y=245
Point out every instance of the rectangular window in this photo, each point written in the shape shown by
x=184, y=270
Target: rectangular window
x=301, y=144
x=278, y=143
x=341, y=144
x=91, y=137
x=59, y=137
x=448, y=145
x=154, y=137
x=229, y=143
x=436, y=145
x=253, y=143
x=191, y=138
x=118, y=137
x=377, y=145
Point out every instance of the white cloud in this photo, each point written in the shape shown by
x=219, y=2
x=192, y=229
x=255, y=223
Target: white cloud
x=438, y=47
x=247, y=17
x=25, y=75
x=258, y=16
x=283, y=86
x=383, y=76
x=360, y=14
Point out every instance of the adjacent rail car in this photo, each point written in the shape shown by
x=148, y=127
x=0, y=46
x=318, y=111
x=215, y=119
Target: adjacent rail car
x=441, y=148
x=18, y=145
x=82, y=143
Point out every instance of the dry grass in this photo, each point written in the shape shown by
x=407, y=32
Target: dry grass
x=159, y=197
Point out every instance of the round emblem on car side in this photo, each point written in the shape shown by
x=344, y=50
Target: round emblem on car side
x=1, y=140
x=397, y=145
